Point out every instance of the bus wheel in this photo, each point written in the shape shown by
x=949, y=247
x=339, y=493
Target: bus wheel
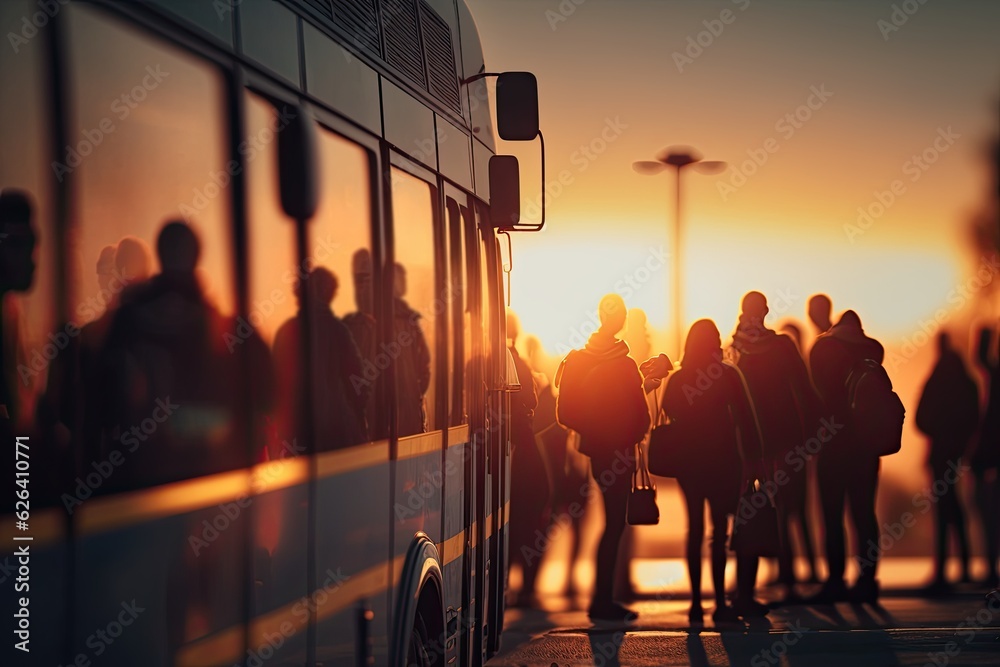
x=419, y=654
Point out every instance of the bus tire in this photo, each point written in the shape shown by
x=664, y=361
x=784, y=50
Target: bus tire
x=418, y=636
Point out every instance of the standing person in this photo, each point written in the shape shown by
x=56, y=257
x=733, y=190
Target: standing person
x=601, y=397
x=948, y=414
x=985, y=461
x=846, y=472
x=820, y=310
x=719, y=414
x=413, y=367
x=786, y=408
x=636, y=335
x=339, y=407
x=530, y=497
x=800, y=482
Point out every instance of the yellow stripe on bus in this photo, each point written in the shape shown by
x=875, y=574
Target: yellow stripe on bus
x=452, y=548
x=227, y=646
x=458, y=435
x=341, y=461
x=418, y=445
x=98, y=515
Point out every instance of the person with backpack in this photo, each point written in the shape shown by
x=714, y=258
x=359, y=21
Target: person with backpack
x=948, y=414
x=786, y=407
x=706, y=399
x=847, y=372
x=601, y=397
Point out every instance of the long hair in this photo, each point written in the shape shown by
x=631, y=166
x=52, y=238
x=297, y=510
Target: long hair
x=703, y=344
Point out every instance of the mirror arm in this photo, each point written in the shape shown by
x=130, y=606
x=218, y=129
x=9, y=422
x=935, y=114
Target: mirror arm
x=477, y=77
x=536, y=227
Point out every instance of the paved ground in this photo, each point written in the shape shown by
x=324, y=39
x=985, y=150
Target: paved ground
x=904, y=629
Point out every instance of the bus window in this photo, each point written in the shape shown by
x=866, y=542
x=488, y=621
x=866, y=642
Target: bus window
x=416, y=303
x=271, y=277
x=459, y=352
x=339, y=270
x=341, y=245
x=151, y=282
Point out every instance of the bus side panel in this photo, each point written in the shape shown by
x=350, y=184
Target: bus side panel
x=147, y=588
x=352, y=574
x=279, y=609
x=456, y=536
x=417, y=502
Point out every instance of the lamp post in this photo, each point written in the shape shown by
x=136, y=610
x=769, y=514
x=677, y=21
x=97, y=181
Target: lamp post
x=677, y=157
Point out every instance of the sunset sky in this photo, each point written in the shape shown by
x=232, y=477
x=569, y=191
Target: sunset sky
x=626, y=78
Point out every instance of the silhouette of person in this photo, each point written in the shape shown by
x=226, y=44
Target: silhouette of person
x=716, y=414
x=820, y=309
x=845, y=472
x=601, y=397
x=162, y=357
x=17, y=272
x=985, y=459
x=787, y=409
x=636, y=335
x=413, y=366
x=568, y=469
x=530, y=496
x=797, y=490
x=63, y=408
x=361, y=323
x=339, y=404
x=791, y=329
x=118, y=267
x=948, y=414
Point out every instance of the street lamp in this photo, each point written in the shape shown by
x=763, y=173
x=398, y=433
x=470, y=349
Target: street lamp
x=678, y=157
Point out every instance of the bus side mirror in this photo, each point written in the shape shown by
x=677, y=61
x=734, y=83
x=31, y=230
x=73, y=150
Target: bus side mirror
x=517, y=106
x=298, y=165
x=505, y=191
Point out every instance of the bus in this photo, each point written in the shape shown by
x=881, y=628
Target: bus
x=256, y=379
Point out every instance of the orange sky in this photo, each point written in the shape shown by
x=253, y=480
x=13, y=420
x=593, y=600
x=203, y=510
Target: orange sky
x=608, y=74
x=609, y=78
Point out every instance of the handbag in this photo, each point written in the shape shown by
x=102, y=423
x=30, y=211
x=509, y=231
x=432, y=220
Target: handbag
x=669, y=448
x=755, y=530
x=642, y=509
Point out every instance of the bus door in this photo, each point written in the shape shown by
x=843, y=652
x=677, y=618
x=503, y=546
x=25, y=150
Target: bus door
x=497, y=400
x=457, y=501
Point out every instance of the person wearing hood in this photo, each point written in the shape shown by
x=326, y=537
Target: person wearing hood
x=845, y=474
x=601, y=397
x=948, y=414
x=787, y=411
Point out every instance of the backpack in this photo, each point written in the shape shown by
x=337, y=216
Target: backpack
x=875, y=411
x=583, y=404
x=573, y=407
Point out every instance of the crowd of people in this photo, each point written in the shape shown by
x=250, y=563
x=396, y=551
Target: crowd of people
x=761, y=421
